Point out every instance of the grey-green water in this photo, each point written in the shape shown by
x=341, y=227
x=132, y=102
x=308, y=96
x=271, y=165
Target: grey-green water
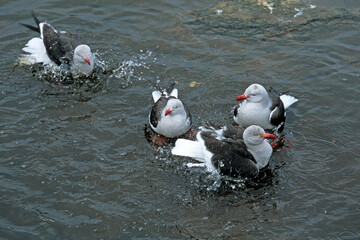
x=75, y=163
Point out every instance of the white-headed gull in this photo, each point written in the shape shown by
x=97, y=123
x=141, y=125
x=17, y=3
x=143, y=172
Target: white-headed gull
x=169, y=117
x=59, y=48
x=229, y=156
x=257, y=108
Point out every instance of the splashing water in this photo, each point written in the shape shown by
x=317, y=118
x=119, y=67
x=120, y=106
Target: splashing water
x=129, y=69
x=104, y=73
x=99, y=62
x=53, y=73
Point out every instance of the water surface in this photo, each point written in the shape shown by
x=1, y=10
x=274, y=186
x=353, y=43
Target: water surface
x=75, y=163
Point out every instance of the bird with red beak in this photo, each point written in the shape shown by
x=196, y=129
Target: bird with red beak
x=169, y=117
x=256, y=107
x=58, y=48
x=83, y=60
x=228, y=150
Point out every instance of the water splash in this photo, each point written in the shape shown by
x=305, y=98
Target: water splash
x=25, y=59
x=59, y=74
x=132, y=68
x=104, y=74
x=99, y=62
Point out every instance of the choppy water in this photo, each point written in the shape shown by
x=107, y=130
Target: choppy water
x=75, y=163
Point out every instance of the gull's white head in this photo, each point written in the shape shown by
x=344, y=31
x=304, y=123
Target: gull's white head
x=255, y=135
x=83, y=59
x=254, y=138
x=254, y=93
x=174, y=107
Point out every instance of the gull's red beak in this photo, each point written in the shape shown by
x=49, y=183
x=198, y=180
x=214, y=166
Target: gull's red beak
x=242, y=97
x=268, y=135
x=87, y=60
x=168, y=111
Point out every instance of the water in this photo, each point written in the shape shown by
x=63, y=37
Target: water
x=75, y=163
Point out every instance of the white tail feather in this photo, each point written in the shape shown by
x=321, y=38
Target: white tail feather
x=188, y=148
x=288, y=100
x=37, y=50
x=156, y=95
x=174, y=93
